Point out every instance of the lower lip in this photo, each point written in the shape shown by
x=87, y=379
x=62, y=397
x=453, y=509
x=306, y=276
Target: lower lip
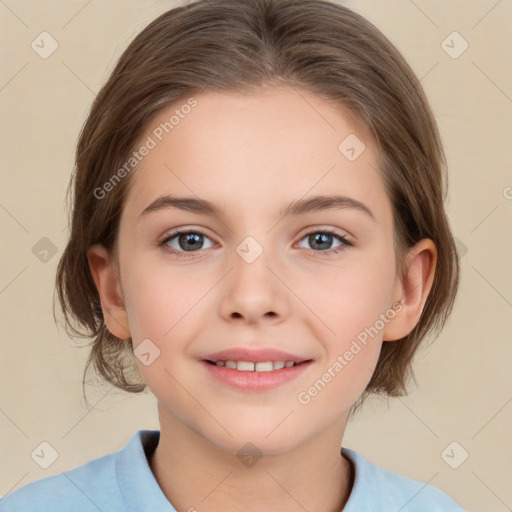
x=255, y=381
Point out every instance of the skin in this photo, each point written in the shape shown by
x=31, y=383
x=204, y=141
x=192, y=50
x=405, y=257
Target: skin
x=254, y=154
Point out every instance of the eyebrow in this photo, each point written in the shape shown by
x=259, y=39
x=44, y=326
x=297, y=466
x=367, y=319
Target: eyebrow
x=297, y=207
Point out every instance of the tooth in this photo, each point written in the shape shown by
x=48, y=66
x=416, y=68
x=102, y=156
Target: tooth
x=245, y=366
x=248, y=366
x=266, y=366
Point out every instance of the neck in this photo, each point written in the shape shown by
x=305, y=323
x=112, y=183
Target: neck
x=196, y=475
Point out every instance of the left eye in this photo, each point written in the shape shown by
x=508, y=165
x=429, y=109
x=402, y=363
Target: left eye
x=320, y=239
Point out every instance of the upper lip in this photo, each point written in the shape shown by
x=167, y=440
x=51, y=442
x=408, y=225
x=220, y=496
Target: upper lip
x=256, y=356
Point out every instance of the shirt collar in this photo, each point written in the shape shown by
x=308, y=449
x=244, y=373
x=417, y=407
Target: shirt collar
x=138, y=485
x=140, y=489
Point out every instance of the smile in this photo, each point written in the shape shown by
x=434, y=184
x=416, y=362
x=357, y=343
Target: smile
x=260, y=366
x=254, y=376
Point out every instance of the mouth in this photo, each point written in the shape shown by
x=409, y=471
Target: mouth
x=254, y=371
x=259, y=366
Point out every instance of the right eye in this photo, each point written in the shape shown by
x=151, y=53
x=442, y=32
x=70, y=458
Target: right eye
x=183, y=242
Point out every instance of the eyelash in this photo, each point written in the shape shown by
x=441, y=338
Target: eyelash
x=321, y=254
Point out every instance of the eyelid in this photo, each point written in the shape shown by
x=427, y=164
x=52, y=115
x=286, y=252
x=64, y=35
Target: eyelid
x=344, y=241
x=184, y=230
x=315, y=228
x=306, y=231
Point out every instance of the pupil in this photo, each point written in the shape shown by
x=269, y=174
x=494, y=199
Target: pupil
x=319, y=238
x=190, y=238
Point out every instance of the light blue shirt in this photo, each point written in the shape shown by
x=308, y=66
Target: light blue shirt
x=123, y=482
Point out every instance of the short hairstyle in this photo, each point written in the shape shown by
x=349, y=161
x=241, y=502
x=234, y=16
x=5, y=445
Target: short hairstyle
x=240, y=46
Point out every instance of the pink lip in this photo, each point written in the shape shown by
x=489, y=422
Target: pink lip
x=254, y=381
x=256, y=356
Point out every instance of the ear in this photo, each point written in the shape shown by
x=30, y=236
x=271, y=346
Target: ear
x=412, y=291
x=106, y=278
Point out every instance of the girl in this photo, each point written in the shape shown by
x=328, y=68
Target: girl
x=293, y=148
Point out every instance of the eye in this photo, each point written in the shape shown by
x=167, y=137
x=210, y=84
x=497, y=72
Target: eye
x=320, y=241
x=184, y=241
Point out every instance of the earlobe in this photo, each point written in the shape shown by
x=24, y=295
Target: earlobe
x=106, y=279
x=412, y=291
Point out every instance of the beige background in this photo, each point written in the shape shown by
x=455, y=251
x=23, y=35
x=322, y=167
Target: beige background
x=465, y=379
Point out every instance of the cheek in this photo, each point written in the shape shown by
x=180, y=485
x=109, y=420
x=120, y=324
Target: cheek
x=355, y=309
x=361, y=306
x=351, y=353
x=163, y=298
x=164, y=307
x=167, y=305
x=350, y=298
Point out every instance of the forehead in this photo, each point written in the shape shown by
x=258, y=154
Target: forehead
x=256, y=150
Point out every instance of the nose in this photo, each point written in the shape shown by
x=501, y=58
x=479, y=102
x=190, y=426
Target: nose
x=253, y=293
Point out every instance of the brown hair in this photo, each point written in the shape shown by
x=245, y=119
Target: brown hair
x=242, y=45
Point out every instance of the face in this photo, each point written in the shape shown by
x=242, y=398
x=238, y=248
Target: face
x=316, y=284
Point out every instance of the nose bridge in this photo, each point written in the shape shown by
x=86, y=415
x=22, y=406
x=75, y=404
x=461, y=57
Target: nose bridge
x=252, y=260
x=253, y=290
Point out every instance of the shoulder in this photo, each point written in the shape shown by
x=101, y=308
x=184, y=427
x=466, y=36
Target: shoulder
x=376, y=488
x=92, y=486
x=116, y=482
